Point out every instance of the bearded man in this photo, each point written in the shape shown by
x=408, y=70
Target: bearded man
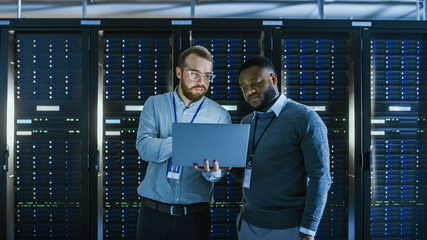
x=175, y=199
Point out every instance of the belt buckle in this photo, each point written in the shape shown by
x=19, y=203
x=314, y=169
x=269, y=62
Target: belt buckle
x=172, y=212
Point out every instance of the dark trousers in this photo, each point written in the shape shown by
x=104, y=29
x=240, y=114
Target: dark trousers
x=155, y=225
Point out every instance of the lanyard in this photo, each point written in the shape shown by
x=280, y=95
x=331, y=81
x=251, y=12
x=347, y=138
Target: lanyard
x=255, y=145
x=197, y=111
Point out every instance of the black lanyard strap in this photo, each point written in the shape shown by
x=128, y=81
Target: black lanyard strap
x=255, y=145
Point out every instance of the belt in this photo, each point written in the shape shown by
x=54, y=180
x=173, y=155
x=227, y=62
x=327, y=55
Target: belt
x=176, y=210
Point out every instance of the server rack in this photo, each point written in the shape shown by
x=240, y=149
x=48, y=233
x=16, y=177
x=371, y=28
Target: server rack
x=318, y=67
x=396, y=61
x=48, y=189
x=230, y=47
x=3, y=147
x=394, y=208
x=136, y=65
x=115, y=217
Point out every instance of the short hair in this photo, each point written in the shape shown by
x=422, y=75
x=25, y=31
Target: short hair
x=198, y=50
x=258, y=61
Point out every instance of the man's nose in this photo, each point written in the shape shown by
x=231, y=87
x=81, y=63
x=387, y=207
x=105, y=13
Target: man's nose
x=200, y=80
x=251, y=90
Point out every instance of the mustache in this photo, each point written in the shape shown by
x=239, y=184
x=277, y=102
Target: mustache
x=253, y=94
x=201, y=86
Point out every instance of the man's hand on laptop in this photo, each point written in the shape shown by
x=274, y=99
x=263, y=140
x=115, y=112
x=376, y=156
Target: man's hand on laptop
x=206, y=167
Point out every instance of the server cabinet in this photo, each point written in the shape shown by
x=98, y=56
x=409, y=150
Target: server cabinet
x=397, y=70
x=317, y=68
x=51, y=77
x=230, y=47
x=135, y=66
x=47, y=196
x=3, y=147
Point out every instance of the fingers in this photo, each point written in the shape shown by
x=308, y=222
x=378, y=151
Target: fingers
x=206, y=163
x=197, y=168
x=206, y=167
x=215, y=166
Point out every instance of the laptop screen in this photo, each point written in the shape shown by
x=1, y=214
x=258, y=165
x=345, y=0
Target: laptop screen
x=194, y=142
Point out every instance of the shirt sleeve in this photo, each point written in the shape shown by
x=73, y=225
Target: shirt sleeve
x=307, y=231
x=214, y=176
x=315, y=149
x=225, y=118
x=150, y=147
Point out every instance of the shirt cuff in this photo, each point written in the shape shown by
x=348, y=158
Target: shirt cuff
x=307, y=231
x=213, y=176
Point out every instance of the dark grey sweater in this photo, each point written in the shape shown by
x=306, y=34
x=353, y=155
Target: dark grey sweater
x=290, y=170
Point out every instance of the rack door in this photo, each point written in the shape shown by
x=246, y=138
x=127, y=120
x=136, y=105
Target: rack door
x=135, y=66
x=50, y=142
x=316, y=71
x=398, y=135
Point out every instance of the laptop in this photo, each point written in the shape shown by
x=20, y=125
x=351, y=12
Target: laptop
x=194, y=142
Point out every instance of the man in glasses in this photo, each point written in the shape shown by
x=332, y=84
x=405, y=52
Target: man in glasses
x=286, y=180
x=176, y=200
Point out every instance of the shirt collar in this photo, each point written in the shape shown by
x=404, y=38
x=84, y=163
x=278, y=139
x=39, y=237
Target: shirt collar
x=180, y=103
x=277, y=106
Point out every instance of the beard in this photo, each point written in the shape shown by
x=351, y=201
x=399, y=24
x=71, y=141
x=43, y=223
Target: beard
x=268, y=96
x=193, y=97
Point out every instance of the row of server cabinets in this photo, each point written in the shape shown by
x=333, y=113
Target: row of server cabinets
x=72, y=91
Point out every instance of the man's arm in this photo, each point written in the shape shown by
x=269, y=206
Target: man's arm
x=150, y=147
x=315, y=150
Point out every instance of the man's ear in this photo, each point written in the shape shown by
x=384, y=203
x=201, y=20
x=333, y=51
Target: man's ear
x=273, y=78
x=178, y=72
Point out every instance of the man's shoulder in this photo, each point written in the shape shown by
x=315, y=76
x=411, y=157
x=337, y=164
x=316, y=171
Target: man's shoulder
x=300, y=111
x=248, y=118
x=214, y=105
x=293, y=107
x=160, y=97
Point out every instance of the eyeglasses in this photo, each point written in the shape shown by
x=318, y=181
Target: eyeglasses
x=195, y=76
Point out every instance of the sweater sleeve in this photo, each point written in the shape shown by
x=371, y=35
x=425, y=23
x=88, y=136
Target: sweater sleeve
x=315, y=150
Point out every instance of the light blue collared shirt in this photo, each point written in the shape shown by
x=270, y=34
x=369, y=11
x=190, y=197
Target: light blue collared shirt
x=154, y=144
x=277, y=106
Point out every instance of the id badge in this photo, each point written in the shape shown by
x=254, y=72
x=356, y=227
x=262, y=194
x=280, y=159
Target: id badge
x=174, y=172
x=247, y=178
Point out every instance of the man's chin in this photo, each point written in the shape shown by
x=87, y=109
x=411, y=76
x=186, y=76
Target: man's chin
x=258, y=107
x=199, y=94
x=254, y=104
x=196, y=96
